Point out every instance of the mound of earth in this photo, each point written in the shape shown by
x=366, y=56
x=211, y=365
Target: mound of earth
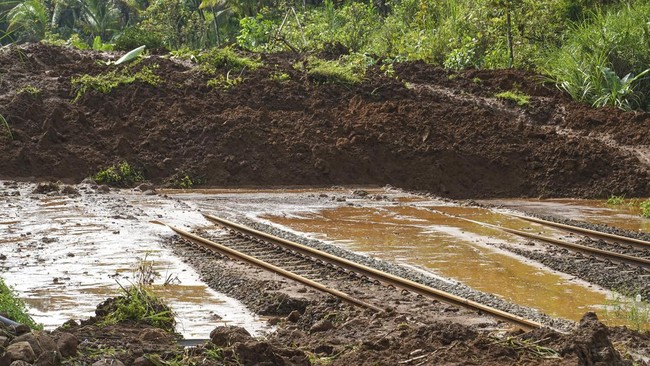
x=423, y=128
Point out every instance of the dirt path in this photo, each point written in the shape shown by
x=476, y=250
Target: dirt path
x=426, y=129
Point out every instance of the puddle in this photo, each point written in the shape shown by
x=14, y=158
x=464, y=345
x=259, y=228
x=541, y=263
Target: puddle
x=449, y=247
x=593, y=211
x=66, y=255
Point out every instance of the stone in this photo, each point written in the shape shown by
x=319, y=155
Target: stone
x=41, y=343
x=20, y=363
x=294, y=316
x=21, y=351
x=224, y=336
x=67, y=344
x=153, y=335
x=142, y=361
x=321, y=326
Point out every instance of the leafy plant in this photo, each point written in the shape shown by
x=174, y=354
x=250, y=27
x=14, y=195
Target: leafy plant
x=645, y=208
x=279, y=76
x=341, y=71
x=616, y=200
x=216, y=58
x=6, y=124
x=30, y=89
x=105, y=83
x=121, y=175
x=225, y=82
x=15, y=308
x=519, y=98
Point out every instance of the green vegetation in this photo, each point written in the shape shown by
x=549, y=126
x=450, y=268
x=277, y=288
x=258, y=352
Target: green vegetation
x=14, y=308
x=594, y=50
x=105, y=83
x=616, y=200
x=527, y=346
x=138, y=303
x=4, y=122
x=225, y=82
x=346, y=70
x=629, y=308
x=280, y=77
x=120, y=175
x=517, y=97
x=645, y=208
x=30, y=89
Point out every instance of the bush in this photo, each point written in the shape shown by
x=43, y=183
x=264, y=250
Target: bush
x=645, y=209
x=14, y=308
x=135, y=37
x=216, y=58
x=121, y=175
x=347, y=70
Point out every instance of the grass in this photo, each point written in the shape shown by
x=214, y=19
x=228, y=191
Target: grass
x=645, y=208
x=105, y=83
x=120, y=175
x=616, y=200
x=334, y=71
x=31, y=90
x=629, y=308
x=517, y=97
x=225, y=82
x=528, y=346
x=280, y=77
x=4, y=122
x=138, y=303
x=15, y=308
x=217, y=58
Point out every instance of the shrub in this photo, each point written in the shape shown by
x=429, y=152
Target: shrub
x=121, y=175
x=14, y=308
x=135, y=37
x=346, y=70
x=216, y=58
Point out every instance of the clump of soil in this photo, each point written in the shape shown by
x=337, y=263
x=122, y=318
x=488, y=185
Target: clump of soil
x=427, y=129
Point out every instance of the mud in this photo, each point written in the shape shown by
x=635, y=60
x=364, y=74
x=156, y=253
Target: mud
x=424, y=129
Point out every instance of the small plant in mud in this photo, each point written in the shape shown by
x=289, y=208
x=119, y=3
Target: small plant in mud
x=226, y=58
x=515, y=96
x=105, y=83
x=279, y=76
x=30, y=89
x=630, y=308
x=342, y=71
x=15, y=308
x=138, y=302
x=527, y=346
x=645, y=208
x=616, y=200
x=120, y=175
x=225, y=82
x=4, y=122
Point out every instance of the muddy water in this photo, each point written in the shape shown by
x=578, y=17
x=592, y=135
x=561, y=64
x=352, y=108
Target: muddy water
x=451, y=247
x=626, y=217
x=66, y=255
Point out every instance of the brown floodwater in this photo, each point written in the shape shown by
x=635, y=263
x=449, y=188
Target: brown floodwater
x=453, y=248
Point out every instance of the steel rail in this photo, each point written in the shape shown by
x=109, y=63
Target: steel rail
x=623, y=258
x=282, y=272
x=381, y=276
x=578, y=229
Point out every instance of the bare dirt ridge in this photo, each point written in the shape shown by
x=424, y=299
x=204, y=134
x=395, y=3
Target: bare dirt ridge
x=426, y=129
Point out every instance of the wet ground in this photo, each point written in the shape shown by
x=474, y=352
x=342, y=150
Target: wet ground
x=75, y=249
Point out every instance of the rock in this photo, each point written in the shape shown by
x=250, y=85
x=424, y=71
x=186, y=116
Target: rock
x=225, y=336
x=69, y=190
x=21, y=351
x=592, y=345
x=103, y=188
x=67, y=344
x=48, y=187
x=40, y=342
x=3, y=341
x=294, y=316
x=20, y=363
x=150, y=192
x=145, y=187
x=108, y=362
x=153, y=335
x=360, y=193
x=321, y=326
x=273, y=321
x=141, y=361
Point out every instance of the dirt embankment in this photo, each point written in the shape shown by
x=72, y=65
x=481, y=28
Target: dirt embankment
x=427, y=129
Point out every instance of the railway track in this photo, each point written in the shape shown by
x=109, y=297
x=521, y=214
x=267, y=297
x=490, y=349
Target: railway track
x=638, y=258
x=348, y=268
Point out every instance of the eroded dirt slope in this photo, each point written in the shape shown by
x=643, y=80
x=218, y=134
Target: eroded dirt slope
x=426, y=129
